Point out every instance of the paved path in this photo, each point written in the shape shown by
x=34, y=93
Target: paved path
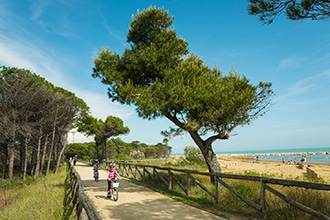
x=134, y=201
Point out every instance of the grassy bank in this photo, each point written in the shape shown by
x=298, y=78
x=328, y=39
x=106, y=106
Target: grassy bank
x=43, y=198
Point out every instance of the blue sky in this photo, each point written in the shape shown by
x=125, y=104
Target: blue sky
x=59, y=40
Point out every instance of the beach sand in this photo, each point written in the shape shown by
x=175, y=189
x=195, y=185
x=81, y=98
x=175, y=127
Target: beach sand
x=242, y=164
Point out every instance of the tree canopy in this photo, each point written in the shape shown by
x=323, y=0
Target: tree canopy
x=162, y=78
x=102, y=131
x=35, y=117
x=120, y=150
x=267, y=10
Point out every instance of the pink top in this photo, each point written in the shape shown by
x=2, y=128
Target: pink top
x=111, y=173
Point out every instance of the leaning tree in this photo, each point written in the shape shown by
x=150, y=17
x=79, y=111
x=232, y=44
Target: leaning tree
x=161, y=78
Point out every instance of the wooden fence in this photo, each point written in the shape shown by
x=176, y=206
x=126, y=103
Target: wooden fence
x=169, y=178
x=84, y=207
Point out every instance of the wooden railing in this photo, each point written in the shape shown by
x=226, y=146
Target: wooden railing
x=84, y=207
x=147, y=172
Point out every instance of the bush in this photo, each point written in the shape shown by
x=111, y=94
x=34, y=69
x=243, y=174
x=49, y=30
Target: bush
x=193, y=155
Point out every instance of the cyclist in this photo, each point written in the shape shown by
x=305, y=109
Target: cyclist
x=96, y=170
x=112, y=176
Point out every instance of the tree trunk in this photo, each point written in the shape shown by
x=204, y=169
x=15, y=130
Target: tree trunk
x=43, y=158
x=32, y=161
x=209, y=156
x=37, y=169
x=97, y=149
x=63, y=144
x=11, y=151
x=55, y=151
x=205, y=147
x=59, y=158
x=21, y=158
x=3, y=159
x=51, y=151
x=11, y=158
x=104, y=149
x=25, y=158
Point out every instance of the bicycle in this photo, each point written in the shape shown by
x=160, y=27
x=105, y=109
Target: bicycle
x=96, y=175
x=96, y=170
x=114, y=186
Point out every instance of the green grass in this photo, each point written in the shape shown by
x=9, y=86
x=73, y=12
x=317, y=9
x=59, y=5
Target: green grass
x=44, y=198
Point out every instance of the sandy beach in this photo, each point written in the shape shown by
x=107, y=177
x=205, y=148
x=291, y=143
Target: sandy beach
x=241, y=164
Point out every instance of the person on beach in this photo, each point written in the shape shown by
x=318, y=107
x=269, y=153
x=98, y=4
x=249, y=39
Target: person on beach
x=303, y=159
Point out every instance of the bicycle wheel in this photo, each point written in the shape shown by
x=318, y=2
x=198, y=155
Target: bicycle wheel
x=96, y=176
x=115, y=194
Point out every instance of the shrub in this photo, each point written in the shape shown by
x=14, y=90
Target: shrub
x=193, y=155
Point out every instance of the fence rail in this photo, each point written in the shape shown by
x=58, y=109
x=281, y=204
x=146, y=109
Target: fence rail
x=84, y=207
x=169, y=178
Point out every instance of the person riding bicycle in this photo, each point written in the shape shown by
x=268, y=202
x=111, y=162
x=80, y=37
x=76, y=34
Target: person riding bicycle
x=96, y=169
x=112, y=177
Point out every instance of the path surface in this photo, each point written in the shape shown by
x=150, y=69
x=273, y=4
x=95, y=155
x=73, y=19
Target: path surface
x=134, y=201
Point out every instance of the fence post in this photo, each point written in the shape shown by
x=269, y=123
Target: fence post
x=144, y=173
x=188, y=183
x=126, y=169
x=216, y=188
x=170, y=179
x=263, y=198
x=154, y=174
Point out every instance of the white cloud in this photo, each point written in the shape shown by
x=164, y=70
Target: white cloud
x=116, y=34
x=38, y=8
x=15, y=51
x=289, y=62
x=318, y=82
x=11, y=53
x=101, y=106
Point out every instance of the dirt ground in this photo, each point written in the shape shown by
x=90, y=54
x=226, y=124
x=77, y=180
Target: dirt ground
x=135, y=202
x=237, y=165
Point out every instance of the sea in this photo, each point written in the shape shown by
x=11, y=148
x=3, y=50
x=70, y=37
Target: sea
x=313, y=155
